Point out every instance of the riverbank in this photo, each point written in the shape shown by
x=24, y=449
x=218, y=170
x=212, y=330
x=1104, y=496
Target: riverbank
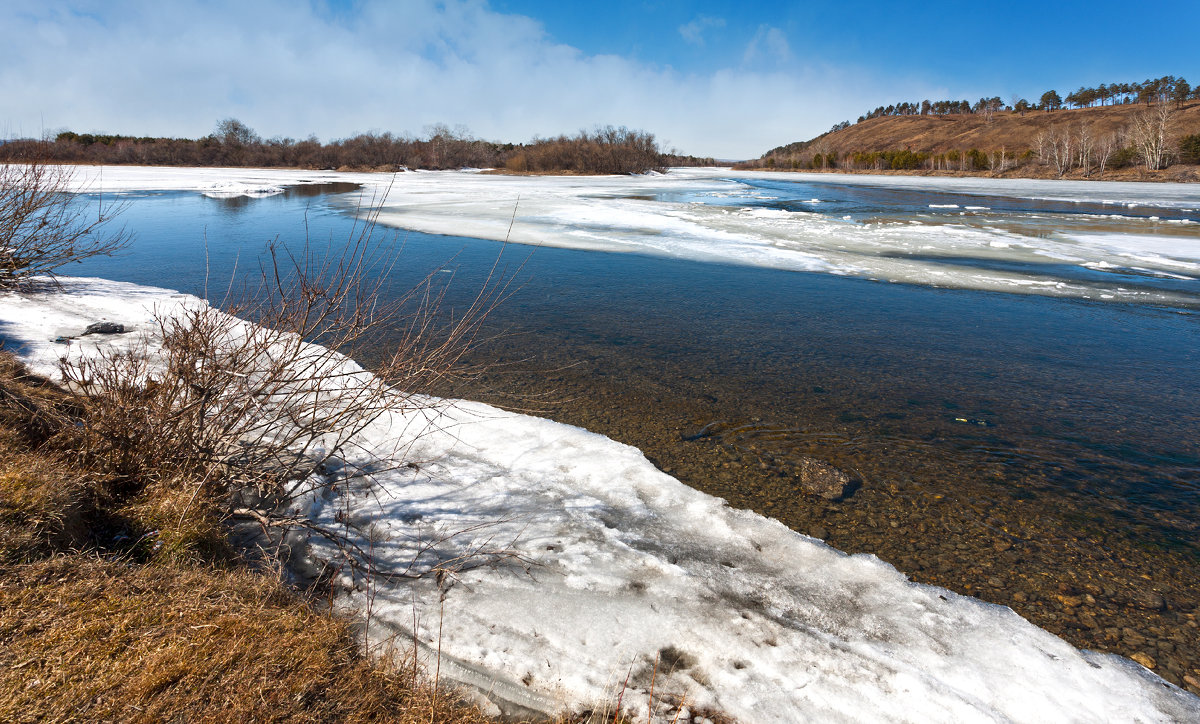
x=1030, y=144
x=626, y=567
x=107, y=613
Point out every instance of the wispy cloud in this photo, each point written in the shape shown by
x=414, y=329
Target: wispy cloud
x=694, y=31
x=769, y=45
x=287, y=68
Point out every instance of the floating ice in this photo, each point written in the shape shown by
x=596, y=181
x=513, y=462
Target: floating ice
x=233, y=189
x=718, y=215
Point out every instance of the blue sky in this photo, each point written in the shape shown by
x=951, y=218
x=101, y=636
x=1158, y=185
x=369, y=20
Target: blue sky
x=729, y=79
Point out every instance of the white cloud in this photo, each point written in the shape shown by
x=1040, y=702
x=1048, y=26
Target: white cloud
x=768, y=45
x=289, y=68
x=693, y=32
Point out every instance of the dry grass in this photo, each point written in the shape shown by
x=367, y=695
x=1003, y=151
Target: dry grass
x=83, y=638
x=41, y=504
x=43, y=498
x=100, y=622
x=1011, y=130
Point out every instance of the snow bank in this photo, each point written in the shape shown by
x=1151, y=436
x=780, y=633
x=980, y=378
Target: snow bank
x=120, y=179
x=621, y=565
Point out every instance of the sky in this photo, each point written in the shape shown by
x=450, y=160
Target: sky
x=709, y=78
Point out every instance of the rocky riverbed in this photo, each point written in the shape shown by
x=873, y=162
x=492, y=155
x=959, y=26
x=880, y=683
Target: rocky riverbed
x=952, y=521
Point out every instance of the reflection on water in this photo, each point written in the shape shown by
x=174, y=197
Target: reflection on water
x=232, y=203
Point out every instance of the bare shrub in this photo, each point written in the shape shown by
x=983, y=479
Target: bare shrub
x=250, y=408
x=43, y=226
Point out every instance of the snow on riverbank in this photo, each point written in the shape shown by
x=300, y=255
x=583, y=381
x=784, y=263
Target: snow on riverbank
x=717, y=215
x=121, y=179
x=624, y=565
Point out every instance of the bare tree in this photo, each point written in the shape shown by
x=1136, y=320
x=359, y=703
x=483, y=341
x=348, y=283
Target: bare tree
x=1060, y=150
x=234, y=132
x=1043, y=146
x=998, y=161
x=1105, y=146
x=821, y=149
x=1150, y=133
x=43, y=226
x=1085, y=142
x=990, y=106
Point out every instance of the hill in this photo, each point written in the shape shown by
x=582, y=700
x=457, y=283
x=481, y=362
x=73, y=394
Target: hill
x=1079, y=142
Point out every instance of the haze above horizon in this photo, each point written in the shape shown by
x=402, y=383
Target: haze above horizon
x=709, y=78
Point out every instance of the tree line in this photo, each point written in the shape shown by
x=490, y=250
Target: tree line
x=615, y=150
x=1153, y=90
x=605, y=150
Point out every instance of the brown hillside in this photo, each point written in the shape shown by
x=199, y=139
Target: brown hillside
x=1007, y=129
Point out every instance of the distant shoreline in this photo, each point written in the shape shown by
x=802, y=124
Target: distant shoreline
x=1178, y=173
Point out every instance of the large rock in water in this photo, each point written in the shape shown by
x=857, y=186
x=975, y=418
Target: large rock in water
x=104, y=328
x=820, y=478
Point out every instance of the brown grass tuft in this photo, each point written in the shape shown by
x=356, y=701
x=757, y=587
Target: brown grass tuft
x=42, y=504
x=82, y=638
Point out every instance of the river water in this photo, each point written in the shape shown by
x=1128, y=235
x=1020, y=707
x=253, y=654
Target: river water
x=1041, y=450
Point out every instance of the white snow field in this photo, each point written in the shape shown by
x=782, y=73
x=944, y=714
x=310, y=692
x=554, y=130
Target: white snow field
x=621, y=565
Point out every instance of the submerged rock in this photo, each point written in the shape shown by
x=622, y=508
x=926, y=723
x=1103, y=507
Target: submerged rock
x=1144, y=659
x=1150, y=600
x=821, y=478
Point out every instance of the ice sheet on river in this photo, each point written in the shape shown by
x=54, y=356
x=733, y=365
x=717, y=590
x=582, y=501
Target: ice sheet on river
x=624, y=566
x=725, y=216
x=729, y=217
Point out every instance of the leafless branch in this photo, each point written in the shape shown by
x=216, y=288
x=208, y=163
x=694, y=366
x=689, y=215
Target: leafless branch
x=43, y=226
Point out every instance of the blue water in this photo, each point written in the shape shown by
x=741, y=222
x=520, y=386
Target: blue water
x=1044, y=398
x=869, y=201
